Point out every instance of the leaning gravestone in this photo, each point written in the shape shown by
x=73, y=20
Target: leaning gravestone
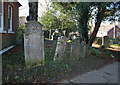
x=106, y=41
x=60, y=48
x=33, y=43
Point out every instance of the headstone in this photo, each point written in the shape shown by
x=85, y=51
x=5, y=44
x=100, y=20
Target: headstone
x=75, y=48
x=99, y=41
x=111, y=42
x=106, y=41
x=83, y=49
x=118, y=43
x=33, y=43
x=115, y=41
x=60, y=48
x=78, y=49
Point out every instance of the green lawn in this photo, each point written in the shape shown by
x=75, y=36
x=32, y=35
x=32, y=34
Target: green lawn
x=115, y=46
x=95, y=45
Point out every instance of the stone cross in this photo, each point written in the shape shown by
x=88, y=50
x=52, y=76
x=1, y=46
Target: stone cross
x=34, y=43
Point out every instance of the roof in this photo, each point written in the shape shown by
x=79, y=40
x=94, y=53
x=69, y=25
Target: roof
x=18, y=4
x=105, y=28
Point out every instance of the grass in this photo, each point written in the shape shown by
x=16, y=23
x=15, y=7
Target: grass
x=14, y=67
x=95, y=45
x=115, y=46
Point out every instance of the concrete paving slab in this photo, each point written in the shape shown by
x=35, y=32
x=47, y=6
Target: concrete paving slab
x=107, y=74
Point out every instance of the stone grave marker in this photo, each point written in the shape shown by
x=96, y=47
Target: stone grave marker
x=33, y=43
x=99, y=41
x=106, y=41
x=118, y=43
x=75, y=48
x=111, y=42
x=60, y=48
x=78, y=49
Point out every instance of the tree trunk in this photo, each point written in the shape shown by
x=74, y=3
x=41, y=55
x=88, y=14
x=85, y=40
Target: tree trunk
x=97, y=25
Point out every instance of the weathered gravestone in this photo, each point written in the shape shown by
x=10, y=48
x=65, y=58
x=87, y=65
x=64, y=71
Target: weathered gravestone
x=60, y=48
x=83, y=49
x=118, y=43
x=99, y=41
x=106, y=41
x=33, y=43
x=75, y=48
x=78, y=49
x=111, y=42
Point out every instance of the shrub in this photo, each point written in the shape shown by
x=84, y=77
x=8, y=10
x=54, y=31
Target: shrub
x=20, y=33
x=93, y=51
x=102, y=47
x=46, y=33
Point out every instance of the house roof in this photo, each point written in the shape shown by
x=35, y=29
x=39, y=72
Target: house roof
x=105, y=28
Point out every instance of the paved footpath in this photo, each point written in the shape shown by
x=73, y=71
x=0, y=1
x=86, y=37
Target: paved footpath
x=107, y=74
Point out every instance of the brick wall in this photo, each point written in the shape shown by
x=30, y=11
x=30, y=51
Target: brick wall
x=111, y=32
x=10, y=38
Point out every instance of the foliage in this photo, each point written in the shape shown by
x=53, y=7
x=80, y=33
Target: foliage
x=115, y=46
x=46, y=33
x=56, y=19
x=93, y=51
x=49, y=20
x=20, y=32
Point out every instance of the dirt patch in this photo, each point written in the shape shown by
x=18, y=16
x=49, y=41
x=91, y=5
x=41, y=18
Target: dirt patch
x=14, y=70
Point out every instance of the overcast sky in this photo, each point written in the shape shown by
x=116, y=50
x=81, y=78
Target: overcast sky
x=24, y=9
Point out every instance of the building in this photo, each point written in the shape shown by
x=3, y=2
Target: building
x=9, y=22
x=108, y=30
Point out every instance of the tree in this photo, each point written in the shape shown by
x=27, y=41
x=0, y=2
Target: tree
x=83, y=13
x=49, y=21
x=106, y=11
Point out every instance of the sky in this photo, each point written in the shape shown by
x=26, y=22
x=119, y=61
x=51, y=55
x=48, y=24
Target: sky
x=24, y=9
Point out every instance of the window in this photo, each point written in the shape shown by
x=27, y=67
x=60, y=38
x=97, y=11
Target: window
x=1, y=17
x=10, y=19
